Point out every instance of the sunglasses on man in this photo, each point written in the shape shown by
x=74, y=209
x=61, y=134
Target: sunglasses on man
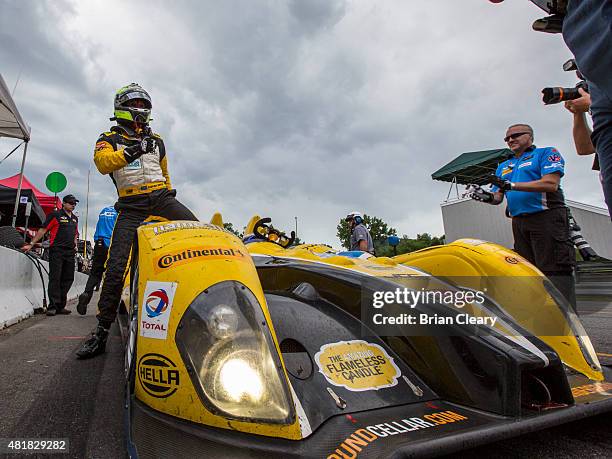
x=514, y=136
x=72, y=203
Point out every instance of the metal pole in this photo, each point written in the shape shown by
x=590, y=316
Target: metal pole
x=296, y=233
x=25, y=150
x=28, y=211
x=86, y=215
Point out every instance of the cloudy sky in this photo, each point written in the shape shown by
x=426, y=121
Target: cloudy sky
x=307, y=108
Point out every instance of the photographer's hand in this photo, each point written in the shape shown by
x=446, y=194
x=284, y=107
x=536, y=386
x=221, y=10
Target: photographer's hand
x=580, y=105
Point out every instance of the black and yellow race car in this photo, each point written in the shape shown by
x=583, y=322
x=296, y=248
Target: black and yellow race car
x=257, y=348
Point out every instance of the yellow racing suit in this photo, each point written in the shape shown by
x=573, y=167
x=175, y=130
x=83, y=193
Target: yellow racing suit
x=144, y=189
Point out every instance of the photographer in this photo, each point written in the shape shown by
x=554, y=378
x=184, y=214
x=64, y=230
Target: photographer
x=587, y=30
x=530, y=180
x=586, y=26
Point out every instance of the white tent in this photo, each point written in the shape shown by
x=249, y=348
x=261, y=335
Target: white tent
x=12, y=125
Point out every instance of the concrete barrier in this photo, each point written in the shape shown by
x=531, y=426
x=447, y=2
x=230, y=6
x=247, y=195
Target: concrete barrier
x=21, y=287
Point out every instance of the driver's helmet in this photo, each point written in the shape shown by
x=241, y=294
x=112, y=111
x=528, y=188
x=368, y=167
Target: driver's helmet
x=354, y=216
x=125, y=113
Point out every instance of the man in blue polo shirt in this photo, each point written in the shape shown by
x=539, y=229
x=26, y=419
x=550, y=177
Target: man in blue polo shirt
x=102, y=237
x=530, y=180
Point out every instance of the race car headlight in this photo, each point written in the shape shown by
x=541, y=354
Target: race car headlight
x=230, y=356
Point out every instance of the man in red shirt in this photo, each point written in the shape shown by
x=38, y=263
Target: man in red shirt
x=63, y=228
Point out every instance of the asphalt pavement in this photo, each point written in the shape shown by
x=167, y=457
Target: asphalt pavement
x=47, y=393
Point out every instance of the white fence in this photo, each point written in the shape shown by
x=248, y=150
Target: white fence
x=21, y=288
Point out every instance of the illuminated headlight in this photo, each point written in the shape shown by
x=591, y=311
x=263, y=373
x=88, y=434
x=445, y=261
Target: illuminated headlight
x=240, y=380
x=231, y=358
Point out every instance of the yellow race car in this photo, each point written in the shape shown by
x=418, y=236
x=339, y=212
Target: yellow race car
x=257, y=348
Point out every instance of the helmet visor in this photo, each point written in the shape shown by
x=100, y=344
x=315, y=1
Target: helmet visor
x=135, y=94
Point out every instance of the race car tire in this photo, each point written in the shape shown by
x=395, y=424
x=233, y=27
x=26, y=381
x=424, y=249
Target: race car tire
x=10, y=237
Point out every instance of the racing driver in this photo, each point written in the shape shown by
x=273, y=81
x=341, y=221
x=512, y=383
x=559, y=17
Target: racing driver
x=135, y=158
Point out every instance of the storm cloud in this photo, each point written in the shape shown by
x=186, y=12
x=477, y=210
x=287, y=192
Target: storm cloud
x=288, y=108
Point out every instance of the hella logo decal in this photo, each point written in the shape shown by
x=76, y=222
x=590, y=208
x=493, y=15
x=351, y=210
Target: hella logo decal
x=158, y=375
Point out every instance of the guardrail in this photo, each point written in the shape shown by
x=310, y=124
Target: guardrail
x=21, y=287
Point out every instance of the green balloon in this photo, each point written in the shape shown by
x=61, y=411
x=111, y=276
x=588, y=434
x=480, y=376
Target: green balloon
x=56, y=182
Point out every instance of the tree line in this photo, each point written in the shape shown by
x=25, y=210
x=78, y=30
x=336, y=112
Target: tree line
x=380, y=232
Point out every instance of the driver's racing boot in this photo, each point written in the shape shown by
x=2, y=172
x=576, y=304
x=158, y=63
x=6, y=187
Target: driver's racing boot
x=84, y=299
x=95, y=345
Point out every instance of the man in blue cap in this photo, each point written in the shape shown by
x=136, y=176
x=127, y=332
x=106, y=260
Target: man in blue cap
x=102, y=238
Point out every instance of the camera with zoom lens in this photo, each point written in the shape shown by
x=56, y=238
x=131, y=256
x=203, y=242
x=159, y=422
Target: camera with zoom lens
x=554, y=95
x=553, y=23
x=550, y=24
x=586, y=251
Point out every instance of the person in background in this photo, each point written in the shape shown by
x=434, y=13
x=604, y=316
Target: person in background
x=530, y=181
x=360, y=236
x=102, y=238
x=63, y=226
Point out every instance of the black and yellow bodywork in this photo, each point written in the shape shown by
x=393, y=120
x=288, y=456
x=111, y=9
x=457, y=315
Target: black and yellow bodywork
x=259, y=350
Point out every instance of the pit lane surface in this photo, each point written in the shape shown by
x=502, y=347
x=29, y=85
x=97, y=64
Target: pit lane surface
x=47, y=393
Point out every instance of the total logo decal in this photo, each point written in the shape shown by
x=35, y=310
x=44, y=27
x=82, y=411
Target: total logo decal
x=365, y=436
x=156, y=308
x=158, y=375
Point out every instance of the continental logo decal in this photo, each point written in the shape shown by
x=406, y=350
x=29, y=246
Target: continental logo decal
x=362, y=438
x=197, y=254
x=603, y=388
x=158, y=375
x=357, y=365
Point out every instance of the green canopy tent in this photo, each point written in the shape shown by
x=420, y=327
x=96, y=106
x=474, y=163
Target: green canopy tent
x=472, y=167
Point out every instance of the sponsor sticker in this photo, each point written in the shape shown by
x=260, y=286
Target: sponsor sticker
x=506, y=170
x=175, y=226
x=357, y=365
x=202, y=253
x=158, y=375
x=528, y=163
x=156, y=308
x=361, y=438
x=134, y=165
x=101, y=145
x=554, y=158
x=604, y=388
x=511, y=260
x=474, y=242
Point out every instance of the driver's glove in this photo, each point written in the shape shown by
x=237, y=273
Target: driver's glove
x=133, y=152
